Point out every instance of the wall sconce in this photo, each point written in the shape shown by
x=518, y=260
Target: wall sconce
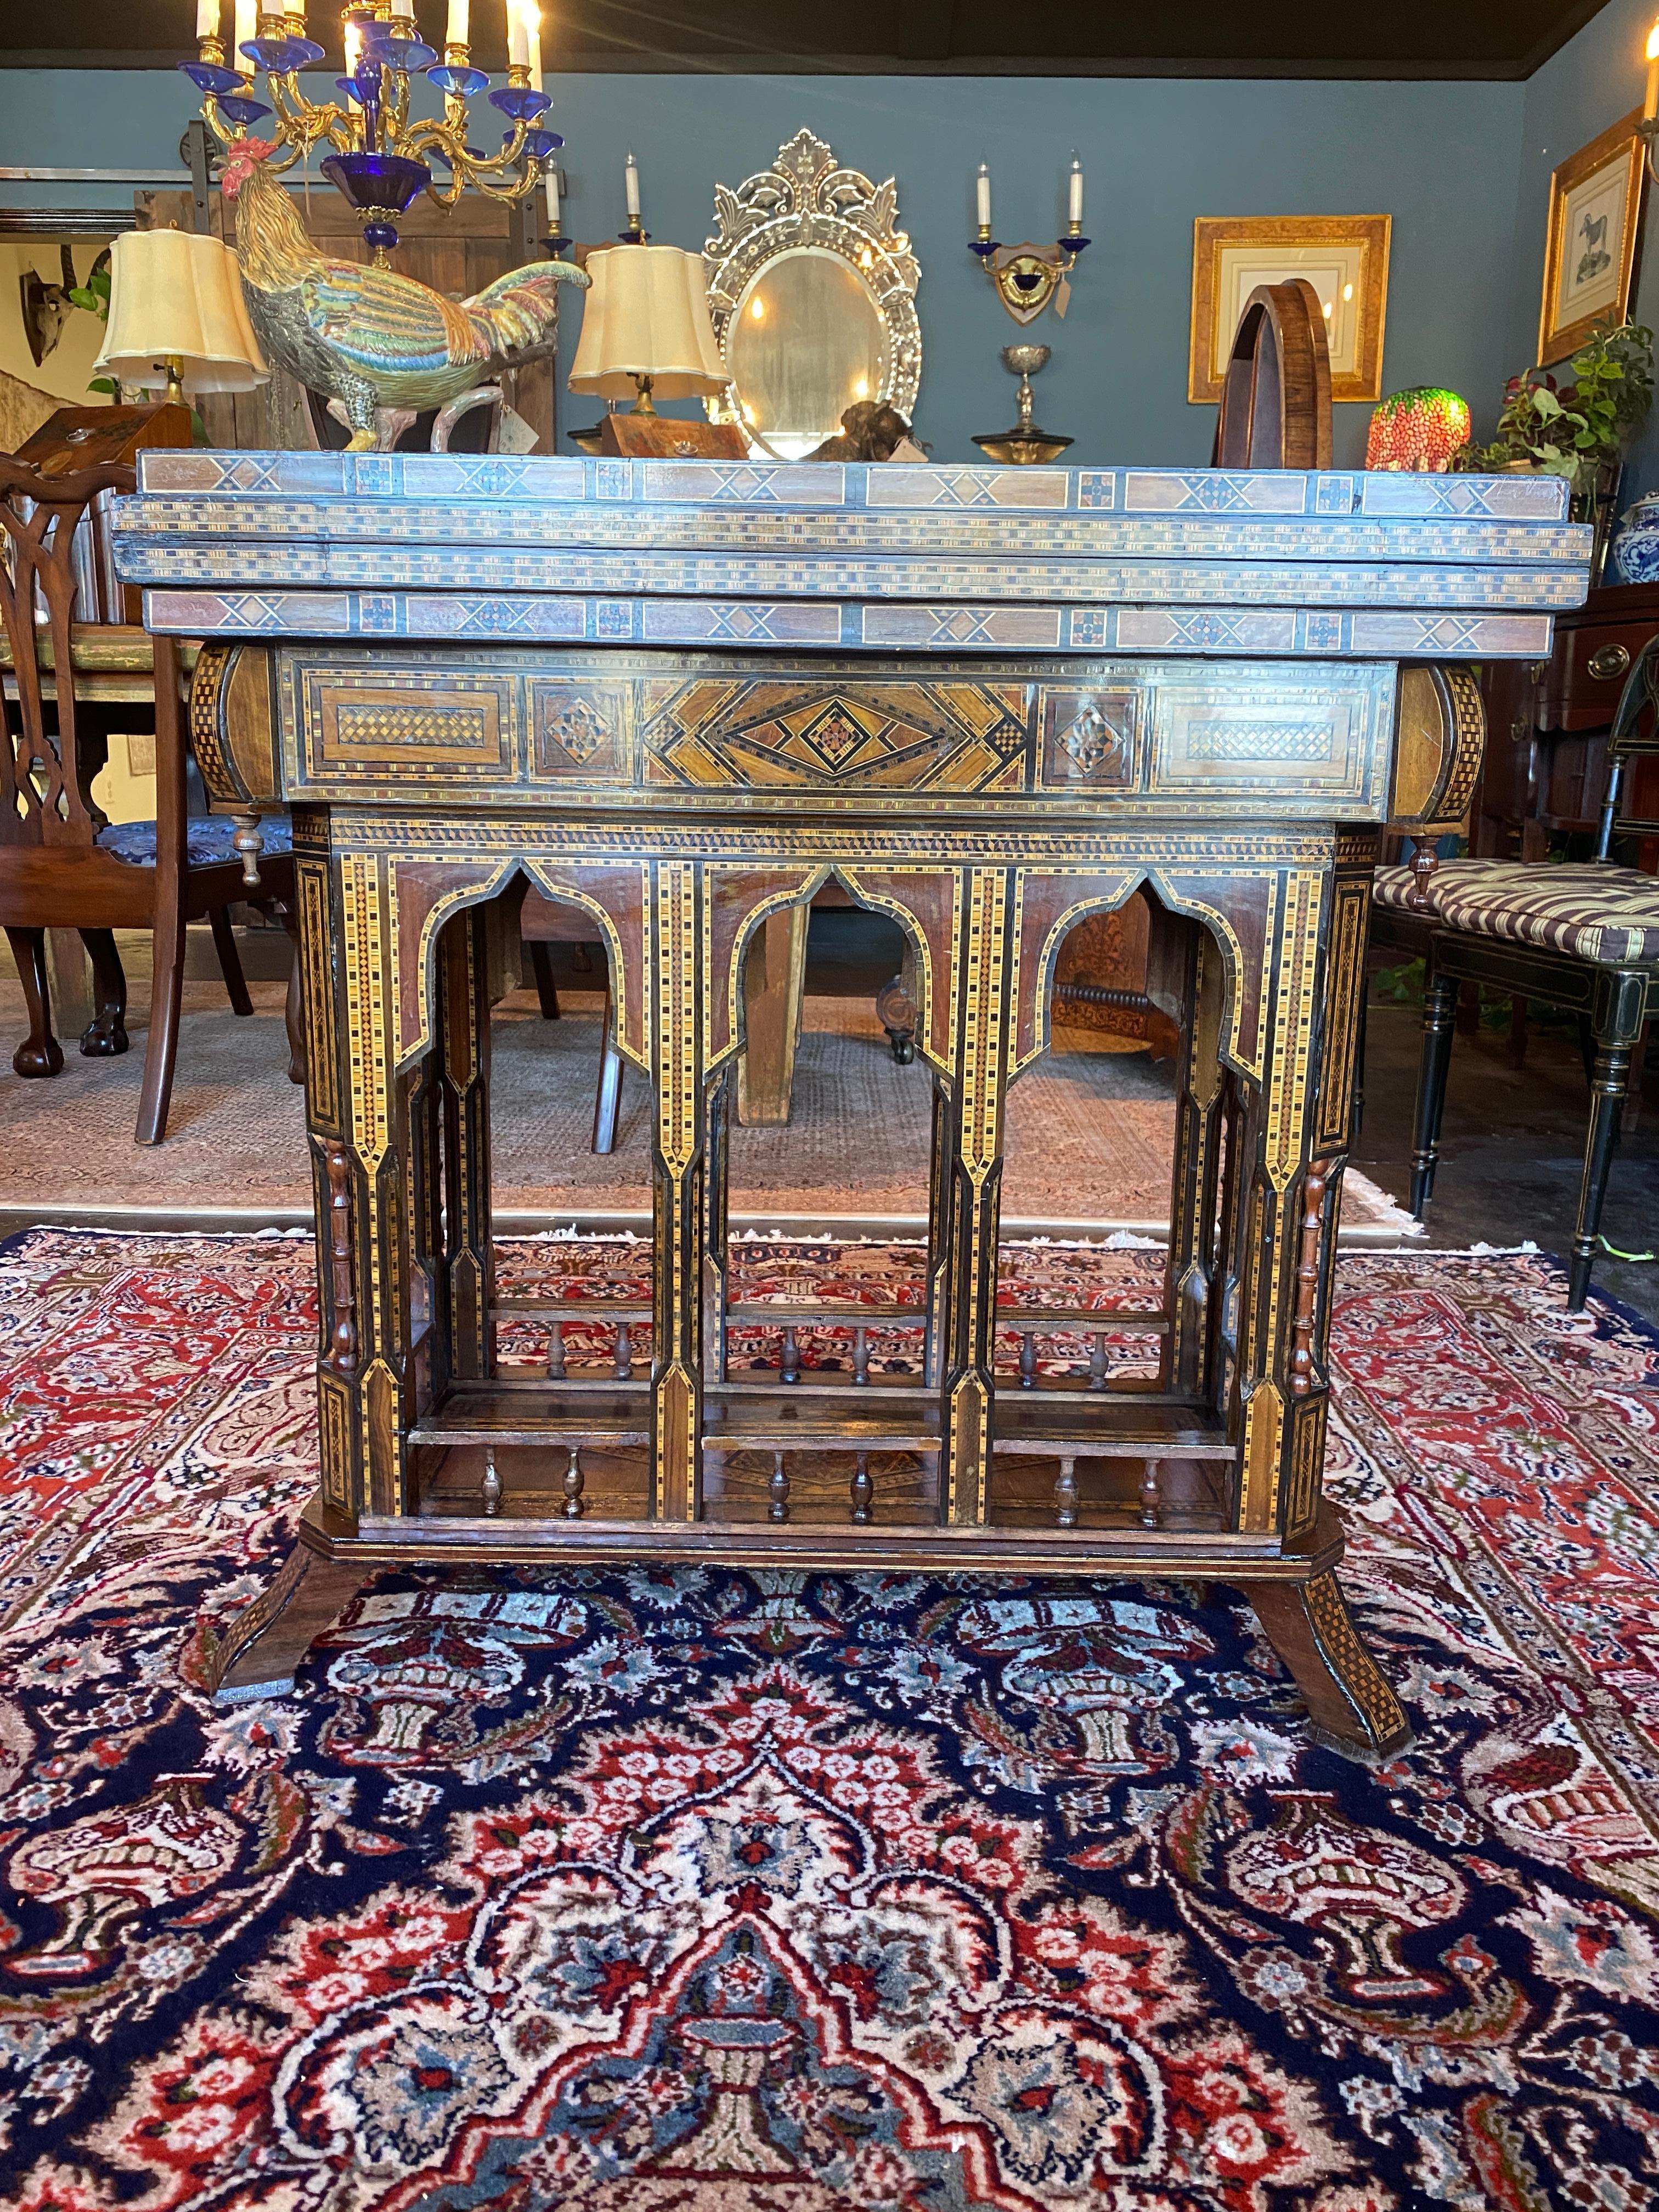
x=1648, y=128
x=1028, y=277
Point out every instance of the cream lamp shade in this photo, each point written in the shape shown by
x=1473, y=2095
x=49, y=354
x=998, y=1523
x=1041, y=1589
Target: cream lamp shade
x=645, y=325
x=177, y=315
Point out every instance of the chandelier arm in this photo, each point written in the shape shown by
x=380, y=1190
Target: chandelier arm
x=297, y=118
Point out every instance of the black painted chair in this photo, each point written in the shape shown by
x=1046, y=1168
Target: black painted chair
x=1581, y=938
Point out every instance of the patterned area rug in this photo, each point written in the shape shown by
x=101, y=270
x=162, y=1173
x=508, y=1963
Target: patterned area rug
x=785, y=1893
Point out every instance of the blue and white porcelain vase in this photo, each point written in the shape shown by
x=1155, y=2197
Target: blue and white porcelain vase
x=1635, y=549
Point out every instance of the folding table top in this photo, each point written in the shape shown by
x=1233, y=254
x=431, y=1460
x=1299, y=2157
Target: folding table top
x=839, y=556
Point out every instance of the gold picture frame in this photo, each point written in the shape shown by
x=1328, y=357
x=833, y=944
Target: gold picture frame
x=1598, y=187
x=1345, y=257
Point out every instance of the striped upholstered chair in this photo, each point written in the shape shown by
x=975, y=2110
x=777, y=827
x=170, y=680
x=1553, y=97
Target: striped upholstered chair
x=1583, y=938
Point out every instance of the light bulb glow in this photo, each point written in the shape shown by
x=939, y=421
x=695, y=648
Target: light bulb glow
x=1651, y=52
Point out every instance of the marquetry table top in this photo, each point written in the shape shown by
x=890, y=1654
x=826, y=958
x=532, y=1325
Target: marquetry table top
x=826, y=556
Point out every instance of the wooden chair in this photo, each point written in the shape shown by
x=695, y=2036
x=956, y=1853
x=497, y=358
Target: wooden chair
x=63, y=865
x=1583, y=938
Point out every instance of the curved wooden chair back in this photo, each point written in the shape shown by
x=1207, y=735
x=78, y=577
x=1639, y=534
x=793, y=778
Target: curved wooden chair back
x=1276, y=395
x=42, y=801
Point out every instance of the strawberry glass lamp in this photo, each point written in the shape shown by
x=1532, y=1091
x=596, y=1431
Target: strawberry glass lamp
x=1420, y=429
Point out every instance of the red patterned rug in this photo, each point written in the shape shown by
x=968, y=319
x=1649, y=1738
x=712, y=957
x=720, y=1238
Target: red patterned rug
x=818, y=1893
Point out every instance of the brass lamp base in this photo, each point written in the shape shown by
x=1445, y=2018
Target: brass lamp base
x=1027, y=445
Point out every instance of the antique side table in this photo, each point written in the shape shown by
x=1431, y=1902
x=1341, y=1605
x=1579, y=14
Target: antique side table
x=989, y=703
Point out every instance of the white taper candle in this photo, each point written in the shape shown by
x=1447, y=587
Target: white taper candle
x=207, y=19
x=456, y=33
x=631, y=188
x=247, y=26
x=984, y=196
x=550, y=185
x=1074, y=211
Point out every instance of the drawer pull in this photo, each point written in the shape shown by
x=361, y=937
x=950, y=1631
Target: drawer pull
x=1609, y=661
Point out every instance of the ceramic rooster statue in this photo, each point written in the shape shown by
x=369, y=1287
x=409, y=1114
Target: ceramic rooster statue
x=368, y=336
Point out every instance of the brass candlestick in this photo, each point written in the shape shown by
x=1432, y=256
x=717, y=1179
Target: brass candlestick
x=1027, y=444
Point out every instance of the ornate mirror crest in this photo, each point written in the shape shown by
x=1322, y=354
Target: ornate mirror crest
x=855, y=333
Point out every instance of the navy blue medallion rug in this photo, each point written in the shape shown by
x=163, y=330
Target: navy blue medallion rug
x=813, y=1894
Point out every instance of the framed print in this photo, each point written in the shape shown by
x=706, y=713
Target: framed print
x=1344, y=257
x=1589, y=251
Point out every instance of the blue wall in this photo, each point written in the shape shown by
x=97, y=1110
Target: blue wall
x=1595, y=79
x=1443, y=158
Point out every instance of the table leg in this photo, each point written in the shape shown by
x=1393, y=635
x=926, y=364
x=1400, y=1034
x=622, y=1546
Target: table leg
x=1195, y=1244
x=986, y=1012
x=259, y=1652
x=1352, y=1708
x=675, y=892
x=1304, y=1124
x=774, y=981
x=464, y=1058
x=358, y=1115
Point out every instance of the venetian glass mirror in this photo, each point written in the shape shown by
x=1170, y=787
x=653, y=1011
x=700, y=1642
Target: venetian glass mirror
x=811, y=287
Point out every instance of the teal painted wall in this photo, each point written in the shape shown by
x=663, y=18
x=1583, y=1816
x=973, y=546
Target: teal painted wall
x=1595, y=79
x=1443, y=158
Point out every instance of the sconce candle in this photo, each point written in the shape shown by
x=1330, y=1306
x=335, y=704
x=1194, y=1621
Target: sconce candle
x=1651, y=105
x=552, y=188
x=631, y=189
x=1074, y=211
x=984, y=198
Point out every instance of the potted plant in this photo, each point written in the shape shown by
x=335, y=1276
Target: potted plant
x=1578, y=429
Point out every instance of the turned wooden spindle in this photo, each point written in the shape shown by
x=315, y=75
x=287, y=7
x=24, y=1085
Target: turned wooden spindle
x=1314, y=1186
x=556, y=1369
x=490, y=1487
x=1097, y=1362
x=790, y=1365
x=342, y=1353
x=861, y=1355
x=1151, y=1496
x=1066, y=1494
x=573, y=1486
x=864, y=1490
x=777, y=1490
x=1028, y=1359
x=624, y=1368
x=1424, y=859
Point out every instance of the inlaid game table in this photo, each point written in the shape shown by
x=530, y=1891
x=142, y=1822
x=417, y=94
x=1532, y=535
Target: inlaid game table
x=682, y=696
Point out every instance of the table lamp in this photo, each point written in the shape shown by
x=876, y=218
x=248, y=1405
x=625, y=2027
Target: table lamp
x=645, y=330
x=177, y=320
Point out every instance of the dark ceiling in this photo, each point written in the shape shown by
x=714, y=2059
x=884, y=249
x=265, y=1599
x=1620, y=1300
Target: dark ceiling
x=1112, y=38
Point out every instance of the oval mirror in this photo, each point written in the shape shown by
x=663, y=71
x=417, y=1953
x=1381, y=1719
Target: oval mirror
x=812, y=287
x=807, y=341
